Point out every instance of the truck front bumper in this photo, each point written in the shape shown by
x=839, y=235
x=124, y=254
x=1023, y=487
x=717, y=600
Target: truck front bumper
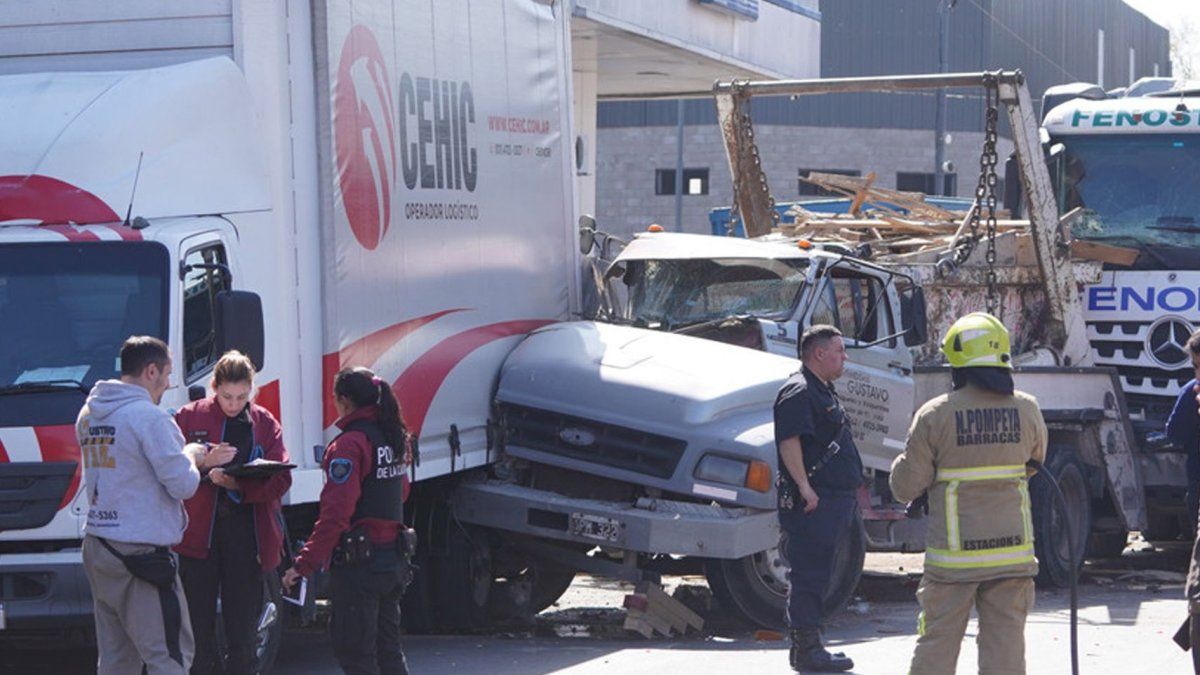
x=649, y=526
x=44, y=595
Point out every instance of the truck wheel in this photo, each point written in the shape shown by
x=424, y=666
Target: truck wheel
x=462, y=581
x=550, y=581
x=1054, y=551
x=756, y=585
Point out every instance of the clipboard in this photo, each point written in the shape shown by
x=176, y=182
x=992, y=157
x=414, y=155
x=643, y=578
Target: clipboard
x=259, y=468
x=299, y=593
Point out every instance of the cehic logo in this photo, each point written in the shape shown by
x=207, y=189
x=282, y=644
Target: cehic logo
x=1166, y=340
x=364, y=136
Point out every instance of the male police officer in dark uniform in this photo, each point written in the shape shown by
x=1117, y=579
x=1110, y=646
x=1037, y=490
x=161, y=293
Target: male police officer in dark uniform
x=819, y=473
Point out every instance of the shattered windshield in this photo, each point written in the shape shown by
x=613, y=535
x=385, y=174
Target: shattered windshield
x=674, y=293
x=1138, y=189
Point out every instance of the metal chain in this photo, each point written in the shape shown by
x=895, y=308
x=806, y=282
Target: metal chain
x=988, y=162
x=985, y=195
x=748, y=150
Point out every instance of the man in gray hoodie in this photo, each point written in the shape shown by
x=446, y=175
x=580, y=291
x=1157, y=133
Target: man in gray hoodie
x=137, y=473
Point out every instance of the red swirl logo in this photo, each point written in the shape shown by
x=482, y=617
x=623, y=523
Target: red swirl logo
x=364, y=136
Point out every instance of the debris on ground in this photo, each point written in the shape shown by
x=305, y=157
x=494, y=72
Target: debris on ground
x=650, y=610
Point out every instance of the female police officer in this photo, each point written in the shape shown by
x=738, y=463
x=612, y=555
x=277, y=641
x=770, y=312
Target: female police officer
x=233, y=535
x=360, y=525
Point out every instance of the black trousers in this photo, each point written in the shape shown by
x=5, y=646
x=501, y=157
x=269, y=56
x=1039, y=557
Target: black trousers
x=233, y=570
x=365, y=628
x=808, y=543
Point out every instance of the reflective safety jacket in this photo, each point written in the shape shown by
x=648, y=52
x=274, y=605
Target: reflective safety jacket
x=968, y=450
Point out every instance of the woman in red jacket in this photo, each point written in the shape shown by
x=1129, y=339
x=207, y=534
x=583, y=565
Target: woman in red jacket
x=234, y=535
x=359, y=533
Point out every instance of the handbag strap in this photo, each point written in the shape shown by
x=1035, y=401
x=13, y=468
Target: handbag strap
x=114, y=551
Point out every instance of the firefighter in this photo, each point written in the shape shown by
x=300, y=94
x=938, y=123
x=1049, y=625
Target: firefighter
x=819, y=473
x=360, y=533
x=967, y=450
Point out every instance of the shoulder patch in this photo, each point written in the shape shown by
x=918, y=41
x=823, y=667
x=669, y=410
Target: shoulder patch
x=340, y=470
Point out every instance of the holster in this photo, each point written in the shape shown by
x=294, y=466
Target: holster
x=406, y=543
x=353, y=547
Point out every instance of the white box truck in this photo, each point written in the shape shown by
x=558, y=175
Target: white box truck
x=384, y=183
x=390, y=179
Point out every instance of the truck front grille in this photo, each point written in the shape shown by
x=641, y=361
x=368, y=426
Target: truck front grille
x=1123, y=345
x=590, y=441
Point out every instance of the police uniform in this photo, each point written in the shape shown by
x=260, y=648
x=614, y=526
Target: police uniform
x=968, y=451
x=360, y=535
x=809, y=409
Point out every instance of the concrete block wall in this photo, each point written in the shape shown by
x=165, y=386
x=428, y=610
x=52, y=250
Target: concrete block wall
x=626, y=160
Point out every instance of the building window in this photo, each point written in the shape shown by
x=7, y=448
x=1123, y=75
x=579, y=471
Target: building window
x=807, y=189
x=924, y=182
x=695, y=181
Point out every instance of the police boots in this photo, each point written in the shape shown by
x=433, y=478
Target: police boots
x=809, y=655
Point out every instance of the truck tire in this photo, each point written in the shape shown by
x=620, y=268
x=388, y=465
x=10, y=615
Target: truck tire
x=550, y=581
x=756, y=586
x=1054, y=552
x=462, y=581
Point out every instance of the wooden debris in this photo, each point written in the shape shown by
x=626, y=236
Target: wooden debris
x=650, y=611
x=1106, y=253
x=903, y=227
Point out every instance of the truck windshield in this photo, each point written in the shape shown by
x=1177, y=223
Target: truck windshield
x=675, y=293
x=65, y=309
x=1141, y=188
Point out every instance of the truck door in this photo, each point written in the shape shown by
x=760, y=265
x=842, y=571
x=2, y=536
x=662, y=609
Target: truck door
x=206, y=268
x=877, y=387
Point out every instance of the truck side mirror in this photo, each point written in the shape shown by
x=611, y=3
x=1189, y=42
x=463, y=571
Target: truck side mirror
x=912, y=315
x=239, y=325
x=587, y=234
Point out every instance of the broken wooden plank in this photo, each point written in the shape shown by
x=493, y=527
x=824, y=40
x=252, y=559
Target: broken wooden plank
x=639, y=625
x=660, y=601
x=1106, y=253
x=860, y=195
x=663, y=621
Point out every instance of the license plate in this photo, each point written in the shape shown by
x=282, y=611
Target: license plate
x=596, y=527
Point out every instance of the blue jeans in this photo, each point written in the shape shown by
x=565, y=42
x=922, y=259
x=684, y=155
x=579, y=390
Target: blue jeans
x=808, y=542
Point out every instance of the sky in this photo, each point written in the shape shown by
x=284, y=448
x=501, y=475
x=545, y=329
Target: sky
x=1170, y=13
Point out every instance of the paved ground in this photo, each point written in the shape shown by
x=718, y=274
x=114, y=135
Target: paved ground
x=1128, y=611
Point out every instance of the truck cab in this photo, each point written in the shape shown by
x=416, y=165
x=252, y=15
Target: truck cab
x=1127, y=159
x=76, y=280
x=763, y=294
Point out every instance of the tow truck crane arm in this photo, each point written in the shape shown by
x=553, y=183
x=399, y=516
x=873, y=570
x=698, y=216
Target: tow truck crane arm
x=754, y=205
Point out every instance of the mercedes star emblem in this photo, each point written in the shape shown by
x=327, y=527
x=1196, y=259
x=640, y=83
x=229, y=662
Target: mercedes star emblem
x=1165, y=342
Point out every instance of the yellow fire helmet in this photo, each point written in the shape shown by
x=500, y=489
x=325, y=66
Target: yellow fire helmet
x=978, y=340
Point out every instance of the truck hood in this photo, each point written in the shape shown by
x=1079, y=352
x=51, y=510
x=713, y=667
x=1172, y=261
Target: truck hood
x=638, y=377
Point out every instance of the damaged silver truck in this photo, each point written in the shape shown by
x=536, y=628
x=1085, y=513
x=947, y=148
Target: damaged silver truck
x=647, y=434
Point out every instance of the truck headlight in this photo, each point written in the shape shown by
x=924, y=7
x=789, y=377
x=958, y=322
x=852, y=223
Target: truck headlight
x=754, y=474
